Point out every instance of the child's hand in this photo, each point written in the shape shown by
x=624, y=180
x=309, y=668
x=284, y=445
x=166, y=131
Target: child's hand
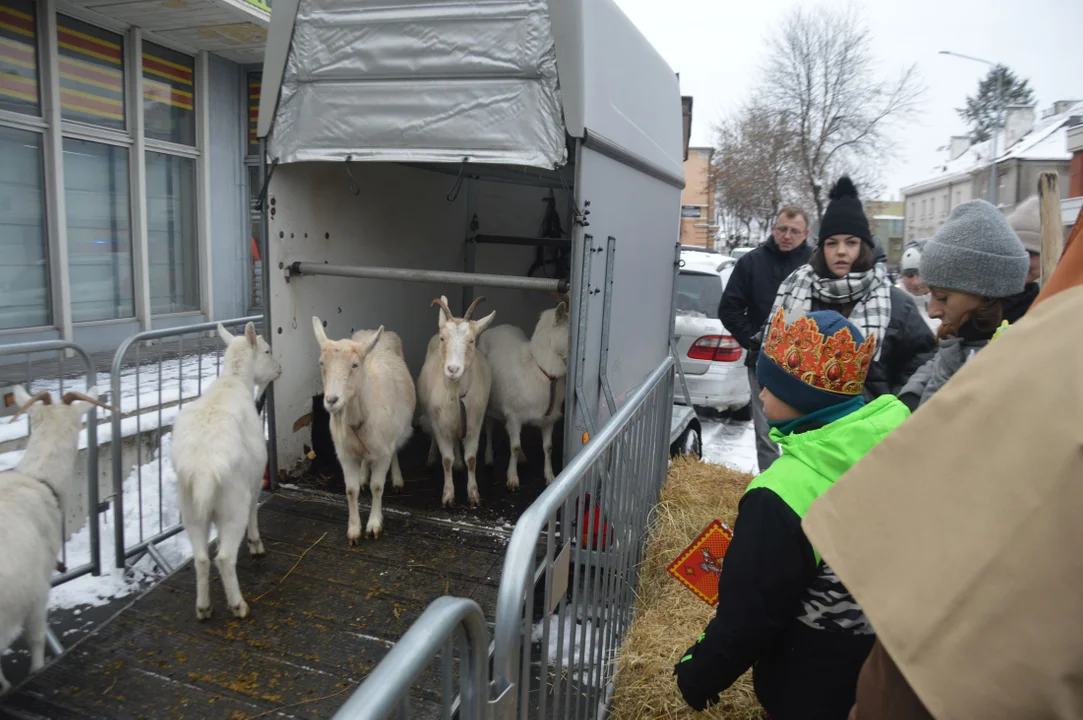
x=690, y=683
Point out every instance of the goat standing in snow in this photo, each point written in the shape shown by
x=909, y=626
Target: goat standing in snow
x=453, y=390
x=31, y=505
x=528, y=384
x=219, y=454
x=369, y=394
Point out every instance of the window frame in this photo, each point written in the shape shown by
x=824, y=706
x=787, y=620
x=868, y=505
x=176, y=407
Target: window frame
x=54, y=128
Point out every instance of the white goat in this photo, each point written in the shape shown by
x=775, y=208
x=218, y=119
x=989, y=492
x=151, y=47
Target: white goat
x=453, y=390
x=219, y=454
x=528, y=384
x=31, y=503
x=368, y=391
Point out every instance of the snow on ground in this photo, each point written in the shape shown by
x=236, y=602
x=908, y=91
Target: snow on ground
x=573, y=632
x=732, y=443
x=142, y=504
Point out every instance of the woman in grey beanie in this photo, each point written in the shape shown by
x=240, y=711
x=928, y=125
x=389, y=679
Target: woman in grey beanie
x=976, y=270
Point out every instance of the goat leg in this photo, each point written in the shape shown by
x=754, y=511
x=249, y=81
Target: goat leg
x=514, y=430
x=547, y=446
x=396, y=473
x=376, y=516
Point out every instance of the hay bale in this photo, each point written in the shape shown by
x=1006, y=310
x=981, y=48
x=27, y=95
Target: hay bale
x=668, y=618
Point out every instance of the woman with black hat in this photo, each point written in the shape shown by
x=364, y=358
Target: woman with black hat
x=843, y=276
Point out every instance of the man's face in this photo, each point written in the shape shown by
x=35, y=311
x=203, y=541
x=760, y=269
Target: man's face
x=789, y=232
x=911, y=280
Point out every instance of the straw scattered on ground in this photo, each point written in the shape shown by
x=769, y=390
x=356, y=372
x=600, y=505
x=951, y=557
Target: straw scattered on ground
x=668, y=617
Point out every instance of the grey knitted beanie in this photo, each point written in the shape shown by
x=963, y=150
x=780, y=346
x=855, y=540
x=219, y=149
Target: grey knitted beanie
x=977, y=252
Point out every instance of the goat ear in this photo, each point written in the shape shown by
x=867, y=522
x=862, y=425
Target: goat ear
x=250, y=333
x=368, y=346
x=317, y=327
x=562, y=313
x=227, y=338
x=481, y=325
x=21, y=396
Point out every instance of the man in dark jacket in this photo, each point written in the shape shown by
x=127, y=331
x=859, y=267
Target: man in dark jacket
x=747, y=302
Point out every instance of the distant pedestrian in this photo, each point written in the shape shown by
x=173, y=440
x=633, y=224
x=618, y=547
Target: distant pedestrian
x=1026, y=221
x=911, y=280
x=843, y=275
x=747, y=300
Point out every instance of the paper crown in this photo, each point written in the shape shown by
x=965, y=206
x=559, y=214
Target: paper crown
x=834, y=363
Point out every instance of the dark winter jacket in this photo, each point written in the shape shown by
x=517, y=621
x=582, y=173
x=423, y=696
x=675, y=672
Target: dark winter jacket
x=907, y=345
x=781, y=609
x=751, y=291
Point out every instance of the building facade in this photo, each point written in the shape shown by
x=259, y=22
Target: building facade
x=127, y=137
x=1027, y=147
x=698, y=227
x=887, y=223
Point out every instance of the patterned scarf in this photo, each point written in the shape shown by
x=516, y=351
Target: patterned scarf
x=869, y=292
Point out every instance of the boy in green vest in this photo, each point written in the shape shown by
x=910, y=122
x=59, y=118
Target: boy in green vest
x=781, y=610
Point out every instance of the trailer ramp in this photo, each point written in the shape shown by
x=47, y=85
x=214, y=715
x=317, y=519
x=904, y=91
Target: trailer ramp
x=322, y=614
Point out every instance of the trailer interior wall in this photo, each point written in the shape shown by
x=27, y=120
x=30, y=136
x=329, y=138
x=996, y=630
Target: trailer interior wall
x=400, y=218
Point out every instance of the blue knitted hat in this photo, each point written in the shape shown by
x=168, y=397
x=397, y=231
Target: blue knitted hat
x=819, y=360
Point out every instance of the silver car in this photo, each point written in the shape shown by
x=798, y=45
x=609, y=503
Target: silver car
x=712, y=360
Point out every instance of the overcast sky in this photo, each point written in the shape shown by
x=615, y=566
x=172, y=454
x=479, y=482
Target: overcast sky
x=718, y=48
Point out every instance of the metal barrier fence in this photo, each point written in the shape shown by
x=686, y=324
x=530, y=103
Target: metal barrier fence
x=177, y=363
x=92, y=561
x=447, y=622
x=577, y=549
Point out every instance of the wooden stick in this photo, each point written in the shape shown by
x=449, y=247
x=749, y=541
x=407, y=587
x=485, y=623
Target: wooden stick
x=1052, y=229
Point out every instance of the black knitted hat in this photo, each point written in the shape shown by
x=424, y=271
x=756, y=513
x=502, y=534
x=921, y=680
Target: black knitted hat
x=845, y=214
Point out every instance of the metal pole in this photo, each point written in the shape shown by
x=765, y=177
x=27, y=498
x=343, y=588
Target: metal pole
x=429, y=276
x=996, y=128
x=268, y=329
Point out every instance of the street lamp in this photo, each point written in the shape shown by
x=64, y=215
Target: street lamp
x=996, y=120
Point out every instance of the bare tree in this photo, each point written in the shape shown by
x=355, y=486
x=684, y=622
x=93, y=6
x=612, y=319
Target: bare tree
x=822, y=79
x=753, y=170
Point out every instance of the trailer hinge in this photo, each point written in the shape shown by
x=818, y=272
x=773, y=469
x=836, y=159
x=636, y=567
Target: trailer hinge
x=261, y=202
x=581, y=218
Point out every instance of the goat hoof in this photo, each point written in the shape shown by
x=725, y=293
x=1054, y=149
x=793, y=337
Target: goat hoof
x=374, y=533
x=353, y=536
x=203, y=613
x=256, y=549
x=549, y=478
x=489, y=461
x=474, y=498
x=513, y=484
x=240, y=611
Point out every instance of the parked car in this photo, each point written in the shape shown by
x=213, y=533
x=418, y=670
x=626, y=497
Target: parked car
x=712, y=360
x=738, y=253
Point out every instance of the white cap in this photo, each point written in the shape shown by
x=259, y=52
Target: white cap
x=911, y=259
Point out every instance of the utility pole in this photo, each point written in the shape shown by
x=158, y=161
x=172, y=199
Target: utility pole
x=996, y=120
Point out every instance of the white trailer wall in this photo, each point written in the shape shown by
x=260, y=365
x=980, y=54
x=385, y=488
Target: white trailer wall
x=400, y=218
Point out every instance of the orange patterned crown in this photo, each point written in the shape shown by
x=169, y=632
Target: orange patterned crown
x=834, y=363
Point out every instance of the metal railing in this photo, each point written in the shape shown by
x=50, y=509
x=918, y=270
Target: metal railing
x=92, y=563
x=579, y=545
x=177, y=364
x=446, y=623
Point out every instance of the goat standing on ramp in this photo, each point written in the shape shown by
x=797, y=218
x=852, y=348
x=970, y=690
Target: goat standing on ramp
x=453, y=389
x=369, y=394
x=219, y=454
x=31, y=505
x=528, y=384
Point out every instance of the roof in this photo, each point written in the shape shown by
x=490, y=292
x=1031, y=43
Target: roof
x=1047, y=140
x=234, y=29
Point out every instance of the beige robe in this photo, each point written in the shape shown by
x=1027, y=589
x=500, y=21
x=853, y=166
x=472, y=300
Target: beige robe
x=961, y=533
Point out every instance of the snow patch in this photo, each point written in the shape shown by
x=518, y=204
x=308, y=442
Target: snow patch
x=731, y=443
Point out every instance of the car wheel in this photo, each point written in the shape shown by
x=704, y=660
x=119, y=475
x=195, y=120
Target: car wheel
x=689, y=443
x=744, y=413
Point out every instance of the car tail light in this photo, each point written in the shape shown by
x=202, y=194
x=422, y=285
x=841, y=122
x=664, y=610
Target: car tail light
x=720, y=348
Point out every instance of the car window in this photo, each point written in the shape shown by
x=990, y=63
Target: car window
x=698, y=294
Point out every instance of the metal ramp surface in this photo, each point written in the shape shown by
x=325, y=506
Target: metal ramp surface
x=322, y=614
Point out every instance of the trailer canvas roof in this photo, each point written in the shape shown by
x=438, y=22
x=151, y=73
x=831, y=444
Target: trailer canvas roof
x=496, y=82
